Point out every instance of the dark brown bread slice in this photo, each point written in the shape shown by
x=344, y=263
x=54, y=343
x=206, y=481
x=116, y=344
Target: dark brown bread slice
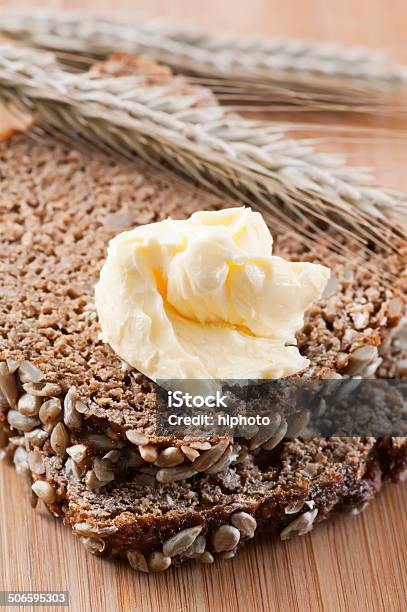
x=282, y=492
x=154, y=525
x=58, y=210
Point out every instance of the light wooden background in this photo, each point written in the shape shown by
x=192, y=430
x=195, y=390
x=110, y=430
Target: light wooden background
x=353, y=563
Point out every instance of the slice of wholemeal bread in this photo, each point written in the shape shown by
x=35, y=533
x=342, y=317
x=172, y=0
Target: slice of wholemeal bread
x=302, y=482
x=282, y=492
x=59, y=209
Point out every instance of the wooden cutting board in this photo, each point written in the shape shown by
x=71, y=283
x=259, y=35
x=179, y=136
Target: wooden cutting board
x=349, y=564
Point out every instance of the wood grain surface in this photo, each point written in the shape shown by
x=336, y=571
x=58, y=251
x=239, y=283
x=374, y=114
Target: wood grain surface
x=349, y=564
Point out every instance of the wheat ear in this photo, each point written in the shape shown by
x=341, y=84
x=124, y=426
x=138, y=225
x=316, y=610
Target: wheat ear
x=270, y=73
x=242, y=159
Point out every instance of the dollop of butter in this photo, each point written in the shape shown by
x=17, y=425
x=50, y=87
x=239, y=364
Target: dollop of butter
x=203, y=298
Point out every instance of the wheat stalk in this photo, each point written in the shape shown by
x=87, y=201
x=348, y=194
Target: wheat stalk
x=248, y=161
x=270, y=73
